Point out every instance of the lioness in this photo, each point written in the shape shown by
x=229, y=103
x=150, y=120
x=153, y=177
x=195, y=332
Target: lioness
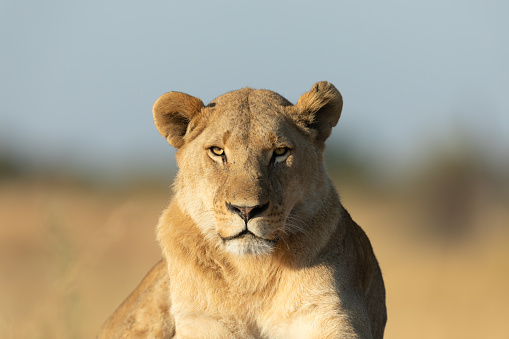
x=256, y=243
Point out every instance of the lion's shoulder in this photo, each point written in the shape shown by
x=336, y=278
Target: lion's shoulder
x=146, y=312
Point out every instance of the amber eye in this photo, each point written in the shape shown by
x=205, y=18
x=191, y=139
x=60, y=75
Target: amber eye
x=280, y=151
x=217, y=151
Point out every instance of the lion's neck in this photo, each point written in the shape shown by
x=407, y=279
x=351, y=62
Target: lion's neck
x=320, y=228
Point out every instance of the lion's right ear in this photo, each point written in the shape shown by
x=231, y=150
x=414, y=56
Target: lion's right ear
x=172, y=113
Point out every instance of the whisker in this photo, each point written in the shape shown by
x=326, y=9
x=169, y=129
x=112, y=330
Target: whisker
x=296, y=225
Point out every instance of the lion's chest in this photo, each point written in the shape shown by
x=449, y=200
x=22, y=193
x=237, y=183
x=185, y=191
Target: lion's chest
x=260, y=305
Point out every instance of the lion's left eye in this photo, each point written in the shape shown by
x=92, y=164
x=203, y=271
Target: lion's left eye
x=217, y=151
x=280, y=151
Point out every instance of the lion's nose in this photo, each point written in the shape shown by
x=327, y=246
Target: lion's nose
x=247, y=212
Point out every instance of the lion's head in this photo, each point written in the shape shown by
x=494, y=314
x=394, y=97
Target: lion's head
x=250, y=162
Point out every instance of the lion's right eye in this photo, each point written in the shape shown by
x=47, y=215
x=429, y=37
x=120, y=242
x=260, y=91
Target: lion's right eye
x=217, y=151
x=280, y=151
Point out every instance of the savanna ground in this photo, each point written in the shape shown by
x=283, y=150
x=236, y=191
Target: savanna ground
x=70, y=253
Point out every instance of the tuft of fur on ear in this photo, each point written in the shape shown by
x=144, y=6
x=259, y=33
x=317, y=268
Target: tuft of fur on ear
x=172, y=113
x=319, y=109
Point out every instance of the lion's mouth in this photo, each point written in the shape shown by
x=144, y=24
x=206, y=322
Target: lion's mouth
x=248, y=235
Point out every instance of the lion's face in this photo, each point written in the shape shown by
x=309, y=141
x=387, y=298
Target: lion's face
x=249, y=162
x=245, y=172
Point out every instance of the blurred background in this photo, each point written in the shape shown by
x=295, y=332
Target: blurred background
x=420, y=155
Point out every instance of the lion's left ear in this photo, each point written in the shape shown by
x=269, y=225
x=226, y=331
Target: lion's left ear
x=319, y=109
x=172, y=113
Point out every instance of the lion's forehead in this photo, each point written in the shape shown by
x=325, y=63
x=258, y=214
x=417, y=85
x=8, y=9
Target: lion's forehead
x=242, y=126
x=251, y=132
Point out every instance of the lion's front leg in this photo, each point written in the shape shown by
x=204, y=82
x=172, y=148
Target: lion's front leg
x=201, y=327
x=313, y=327
x=325, y=317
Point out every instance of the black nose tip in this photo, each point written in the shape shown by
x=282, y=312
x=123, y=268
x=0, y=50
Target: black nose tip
x=247, y=212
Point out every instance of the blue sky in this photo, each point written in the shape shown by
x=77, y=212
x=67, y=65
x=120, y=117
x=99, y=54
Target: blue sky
x=78, y=79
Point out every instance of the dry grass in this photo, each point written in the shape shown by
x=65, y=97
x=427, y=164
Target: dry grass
x=70, y=254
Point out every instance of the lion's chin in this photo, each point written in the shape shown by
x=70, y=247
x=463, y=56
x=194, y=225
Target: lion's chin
x=249, y=244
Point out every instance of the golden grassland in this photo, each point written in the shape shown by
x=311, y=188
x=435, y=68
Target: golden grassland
x=69, y=254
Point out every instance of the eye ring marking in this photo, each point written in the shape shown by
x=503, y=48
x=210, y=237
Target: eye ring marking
x=280, y=154
x=280, y=151
x=217, y=151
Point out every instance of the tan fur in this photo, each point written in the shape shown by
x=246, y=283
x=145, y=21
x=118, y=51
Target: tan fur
x=256, y=241
x=146, y=312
